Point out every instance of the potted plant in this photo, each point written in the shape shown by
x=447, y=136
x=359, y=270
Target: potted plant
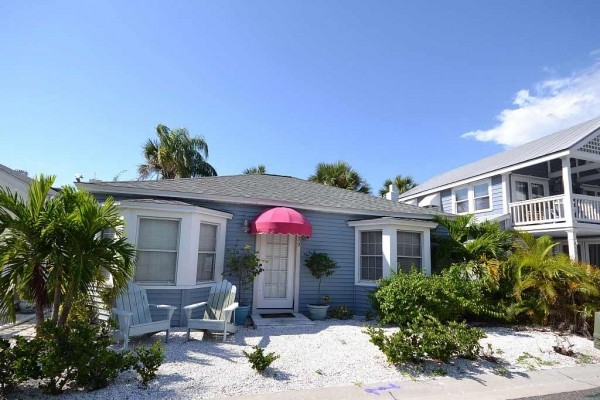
x=320, y=266
x=242, y=266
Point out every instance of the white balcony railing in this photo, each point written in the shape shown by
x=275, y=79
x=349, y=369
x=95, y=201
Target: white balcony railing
x=552, y=209
x=538, y=211
x=586, y=208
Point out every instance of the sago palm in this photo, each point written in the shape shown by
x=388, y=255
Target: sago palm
x=543, y=282
x=175, y=154
x=468, y=240
x=340, y=174
x=25, y=247
x=403, y=183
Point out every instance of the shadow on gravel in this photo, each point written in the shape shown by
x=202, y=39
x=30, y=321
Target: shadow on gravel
x=459, y=369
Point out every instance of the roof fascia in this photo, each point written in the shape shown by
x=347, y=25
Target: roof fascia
x=98, y=188
x=490, y=174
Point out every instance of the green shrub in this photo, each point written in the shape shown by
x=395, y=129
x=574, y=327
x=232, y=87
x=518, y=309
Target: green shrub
x=341, y=312
x=259, y=360
x=8, y=379
x=148, y=361
x=449, y=296
x=427, y=338
x=75, y=355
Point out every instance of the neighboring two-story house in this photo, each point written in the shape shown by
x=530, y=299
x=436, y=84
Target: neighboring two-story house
x=550, y=186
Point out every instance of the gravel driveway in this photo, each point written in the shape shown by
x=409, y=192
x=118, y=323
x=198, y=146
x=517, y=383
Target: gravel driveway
x=330, y=353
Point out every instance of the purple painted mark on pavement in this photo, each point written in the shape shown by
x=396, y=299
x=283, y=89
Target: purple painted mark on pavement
x=377, y=391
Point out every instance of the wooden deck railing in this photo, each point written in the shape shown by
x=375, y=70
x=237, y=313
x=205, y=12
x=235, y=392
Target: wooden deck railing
x=538, y=211
x=551, y=209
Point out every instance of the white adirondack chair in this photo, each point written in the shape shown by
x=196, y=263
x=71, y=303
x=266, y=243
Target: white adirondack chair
x=219, y=313
x=133, y=312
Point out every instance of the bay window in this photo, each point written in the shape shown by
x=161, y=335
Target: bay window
x=387, y=245
x=158, y=244
x=207, y=253
x=409, y=250
x=371, y=256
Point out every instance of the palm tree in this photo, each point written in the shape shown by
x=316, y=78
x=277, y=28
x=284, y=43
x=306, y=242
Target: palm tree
x=260, y=169
x=175, y=154
x=340, y=174
x=545, y=283
x=467, y=240
x=403, y=183
x=25, y=247
x=86, y=257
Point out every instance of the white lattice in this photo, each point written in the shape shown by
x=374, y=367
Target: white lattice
x=593, y=146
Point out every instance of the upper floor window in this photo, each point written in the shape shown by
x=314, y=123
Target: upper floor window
x=528, y=187
x=158, y=244
x=474, y=198
x=371, y=255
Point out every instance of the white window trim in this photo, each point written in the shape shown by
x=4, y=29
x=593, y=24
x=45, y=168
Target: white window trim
x=422, y=245
x=137, y=240
x=471, y=197
x=529, y=179
x=191, y=217
x=209, y=252
x=389, y=227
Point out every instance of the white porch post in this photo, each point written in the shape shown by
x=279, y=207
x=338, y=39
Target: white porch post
x=572, y=241
x=389, y=240
x=568, y=204
x=568, y=189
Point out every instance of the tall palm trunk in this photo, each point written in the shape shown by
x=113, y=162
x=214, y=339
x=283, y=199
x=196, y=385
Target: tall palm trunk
x=56, y=303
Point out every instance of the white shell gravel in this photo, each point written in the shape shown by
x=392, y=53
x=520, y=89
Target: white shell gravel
x=330, y=353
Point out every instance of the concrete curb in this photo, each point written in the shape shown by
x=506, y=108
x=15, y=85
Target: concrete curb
x=485, y=386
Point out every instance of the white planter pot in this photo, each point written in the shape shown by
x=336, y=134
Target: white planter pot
x=317, y=312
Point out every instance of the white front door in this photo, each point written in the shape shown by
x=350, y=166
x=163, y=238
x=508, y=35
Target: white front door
x=275, y=285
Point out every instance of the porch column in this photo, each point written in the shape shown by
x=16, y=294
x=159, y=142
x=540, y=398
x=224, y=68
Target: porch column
x=572, y=241
x=568, y=189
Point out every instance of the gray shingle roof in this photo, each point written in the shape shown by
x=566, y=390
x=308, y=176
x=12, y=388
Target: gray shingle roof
x=267, y=188
x=547, y=145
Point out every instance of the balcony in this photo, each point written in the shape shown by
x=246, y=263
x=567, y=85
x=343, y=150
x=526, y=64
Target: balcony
x=549, y=210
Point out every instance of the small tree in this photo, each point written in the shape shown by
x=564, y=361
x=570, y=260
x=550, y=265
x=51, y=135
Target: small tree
x=243, y=266
x=320, y=266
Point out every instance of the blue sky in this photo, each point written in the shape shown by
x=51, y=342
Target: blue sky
x=389, y=86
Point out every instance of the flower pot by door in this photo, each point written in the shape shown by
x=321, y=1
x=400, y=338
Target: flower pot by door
x=317, y=312
x=241, y=313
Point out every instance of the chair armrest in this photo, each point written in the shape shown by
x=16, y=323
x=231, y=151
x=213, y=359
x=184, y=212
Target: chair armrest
x=124, y=318
x=231, y=307
x=163, y=306
x=196, y=305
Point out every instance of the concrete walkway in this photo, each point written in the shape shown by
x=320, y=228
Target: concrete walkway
x=479, y=387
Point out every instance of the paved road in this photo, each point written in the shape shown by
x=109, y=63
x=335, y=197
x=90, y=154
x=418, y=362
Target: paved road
x=580, y=395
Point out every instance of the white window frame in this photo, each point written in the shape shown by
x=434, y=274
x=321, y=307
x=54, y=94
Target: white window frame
x=420, y=233
x=191, y=217
x=360, y=255
x=198, y=282
x=529, y=179
x=389, y=228
x=471, y=197
x=137, y=240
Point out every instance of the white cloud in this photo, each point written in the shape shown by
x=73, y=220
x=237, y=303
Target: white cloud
x=552, y=105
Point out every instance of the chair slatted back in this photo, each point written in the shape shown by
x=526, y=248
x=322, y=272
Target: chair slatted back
x=135, y=300
x=221, y=296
